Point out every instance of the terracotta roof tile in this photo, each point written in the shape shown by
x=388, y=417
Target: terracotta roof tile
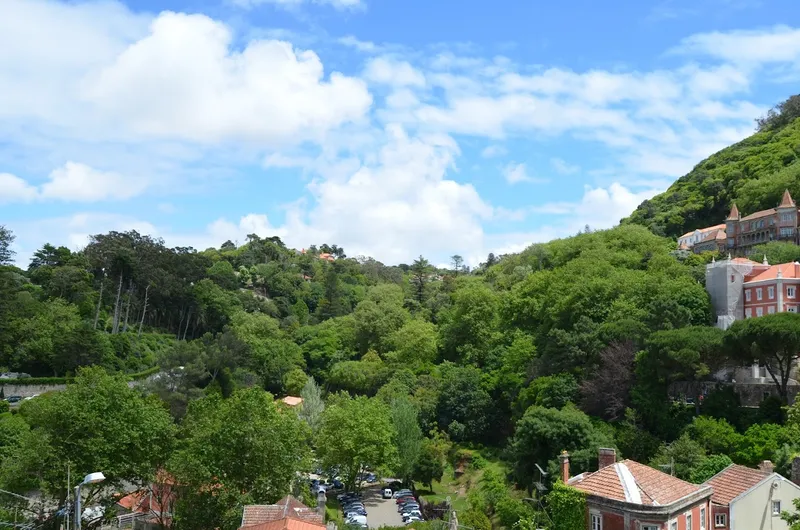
x=292, y=401
x=704, y=230
x=734, y=212
x=786, y=201
x=655, y=487
x=287, y=507
x=286, y=523
x=733, y=481
x=758, y=215
x=788, y=270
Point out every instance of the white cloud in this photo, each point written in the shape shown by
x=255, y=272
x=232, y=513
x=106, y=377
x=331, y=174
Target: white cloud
x=516, y=173
x=563, y=167
x=494, y=150
x=15, y=189
x=184, y=81
x=81, y=183
x=360, y=45
x=337, y=4
x=779, y=44
x=388, y=71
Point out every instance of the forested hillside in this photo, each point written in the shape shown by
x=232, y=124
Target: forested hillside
x=567, y=345
x=752, y=173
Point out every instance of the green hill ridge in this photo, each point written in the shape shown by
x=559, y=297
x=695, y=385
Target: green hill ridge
x=752, y=173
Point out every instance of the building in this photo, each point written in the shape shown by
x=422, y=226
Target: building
x=740, y=234
x=149, y=508
x=750, y=499
x=292, y=401
x=287, y=514
x=628, y=495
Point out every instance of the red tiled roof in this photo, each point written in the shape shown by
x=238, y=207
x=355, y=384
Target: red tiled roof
x=786, y=201
x=788, y=270
x=654, y=486
x=704, y=230
x=286, y=523
x=733, y=481
x=757, y=215
x=734, y=212
x=288, y=507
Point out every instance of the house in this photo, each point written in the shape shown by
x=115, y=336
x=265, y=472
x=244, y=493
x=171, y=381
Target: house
x=287, y=514
x=740, y=234
x=149, y=508
x=292, y=401
x=750, y=499
x=627, y=495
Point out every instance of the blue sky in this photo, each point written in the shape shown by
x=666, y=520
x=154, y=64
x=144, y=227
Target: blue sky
x=390, y=128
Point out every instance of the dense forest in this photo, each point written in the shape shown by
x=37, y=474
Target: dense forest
x=569, y=345
x=752, y=173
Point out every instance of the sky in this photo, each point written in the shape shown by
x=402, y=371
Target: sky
x=391, y=128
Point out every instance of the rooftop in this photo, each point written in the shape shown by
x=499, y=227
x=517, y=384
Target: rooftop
x=288, y=507
x=292, y=401
x=632, y=482
x=758, y=215
x=733, y=481
x=287, y=524
x=787, y=270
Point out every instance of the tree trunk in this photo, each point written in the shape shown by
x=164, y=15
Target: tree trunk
x=99, y=301
x=115, y=327
x=144, y=310
x=188, y=319
x=128, y=306
x=180, y=325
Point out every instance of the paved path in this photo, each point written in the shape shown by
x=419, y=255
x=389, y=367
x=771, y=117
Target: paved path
x=380, y=511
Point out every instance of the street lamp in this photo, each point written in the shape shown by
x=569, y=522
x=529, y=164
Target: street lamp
x=91, y=478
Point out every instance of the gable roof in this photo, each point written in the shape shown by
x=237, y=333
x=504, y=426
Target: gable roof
x=762, y=213
x=733, y=481
x=787, y=270
x=630, y=481
x=288, y=507
x=286, y=523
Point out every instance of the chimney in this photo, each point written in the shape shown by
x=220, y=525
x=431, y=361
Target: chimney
x=767, y=466
x=606, y=457
x=564, y=459
x=796, y=470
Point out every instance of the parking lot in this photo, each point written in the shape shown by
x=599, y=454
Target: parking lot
x=380, y=511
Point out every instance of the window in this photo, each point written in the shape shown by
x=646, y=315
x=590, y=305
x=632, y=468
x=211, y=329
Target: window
x=748, y=312
x=791, y=309
x=650, y=527
x=597, y=522
x=759, y=293
x=787, y=232
x=762, y=370
x=787, y=217
x=771, y=309
x=702, y=518
x=747, y=295
x=776, y=507
x=770, y=292
x=689, y=521
x=759, y=311
x=720, y=519
x=790, y=292
x=673, y=525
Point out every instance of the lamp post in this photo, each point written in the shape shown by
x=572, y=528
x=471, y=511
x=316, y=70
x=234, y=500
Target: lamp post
x=91, y=478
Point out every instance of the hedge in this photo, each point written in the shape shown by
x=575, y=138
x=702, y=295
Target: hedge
x=138, y=376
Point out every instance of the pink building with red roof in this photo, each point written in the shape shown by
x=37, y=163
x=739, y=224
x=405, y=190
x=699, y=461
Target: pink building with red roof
x=627, y=495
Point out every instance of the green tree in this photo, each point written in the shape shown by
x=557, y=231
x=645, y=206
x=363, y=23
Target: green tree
x=793, y=518
x=420, y=272
x=567, y=507
x=463, y=399
x=356, y=433
x=716, y=436
x=681, y=458
x=469, y=328
x=430, y=464
x=415, y=343
x=543, y=433
x=313, y=405
x=407, y=437
x=709, y=467
x=6, y=240
x=96, y=424
x=552, y=391
x=772, y=341
x=232, y=452
x=294, y=381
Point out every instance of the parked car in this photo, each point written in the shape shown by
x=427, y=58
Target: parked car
x=357, y=519
x=401, y=493
x=411, y=513
x=353, y=507
x=355, y=513
x=14, y=399
x=387, y=493
x=407, y=507
x=337, y=484
x=403, y=498
x=412, y=520
x=371, y=478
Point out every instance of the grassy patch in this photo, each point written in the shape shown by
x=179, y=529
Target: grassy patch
x=457, y=488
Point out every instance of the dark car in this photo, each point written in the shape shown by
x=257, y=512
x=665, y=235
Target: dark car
x=371, y=478
x=337, y=484
x=405, y=498
x=14, y=399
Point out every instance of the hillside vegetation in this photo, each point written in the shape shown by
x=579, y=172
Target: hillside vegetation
x=752, y=173
x=408, y=370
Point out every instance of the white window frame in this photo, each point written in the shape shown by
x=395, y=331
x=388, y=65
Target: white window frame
x=759, y=293
x=759, y=311
x=748, y=313
x=720, y=520
x=702, y=518
x=771, y=292
x=791, y=309
x=747, y=295
x=673, y=525
x=771, y=310
x=595, y=521
x=651, y=527
x=791, y=291
x=774, y=504
x=689, y=520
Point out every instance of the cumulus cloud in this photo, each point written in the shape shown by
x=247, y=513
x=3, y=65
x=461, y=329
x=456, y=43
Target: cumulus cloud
x=563, y=167
x=15, y=189
x=337, y=4
x=771, y=45
x=388, y=71
x=516, y=173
